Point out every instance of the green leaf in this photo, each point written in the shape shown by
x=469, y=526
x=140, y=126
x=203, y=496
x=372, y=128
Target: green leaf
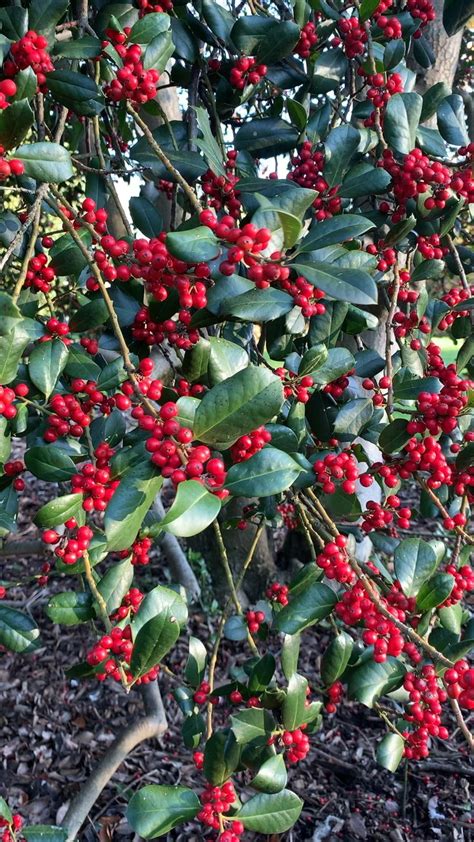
x=367, y=8
x=313, y=359
x=414, y=561
x=266, y=137
x=407, y=386
x=46, y=161
x=402, y=115
x=15, y=123
x=9, y=314
x=272, y=776
x=12, y=346
x=336, y=658
x=432, y=98
x=59, y=510
x=450, y=617
x=18, y=632
x=160, y=600
x=85, y=47
x=456, y=15
x=290, y=651
x=44, y=833
x=400, y=230
x=155, y=810
x=267, y=39
x=268, y=472
x=45, y=14
x=146, y=29
x=434, y=591
x=362, y=180
x=307, y=608
x=393, y=54
x=50, y=463
x=394, y=436
x=70, y=608
x=390, y=751
x=153, y=642
x=196, y=663
x=254, y=725
x=47, y=361
x=353, y=285
x=225, y=359
x=193, y=245
x=340, y=146
x=208, y=143
x=221, y=757
x=68, y=259
x=115, y=584
x=192, y=510
x=80, y=364
x=339, y=361
x=261, y=673
x=354, y=416
x=329, y=69
x=335, y=230
x=257, y=305
x=145, y=216
x=370, y=680
x=75, y=90
x=90, y=315
x=240, y=404
x=452, y=120
x=270, y=813
x=5, y=811
x=132, y=499
x=294, y=704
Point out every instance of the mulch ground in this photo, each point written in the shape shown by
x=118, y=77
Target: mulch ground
x=53, y=730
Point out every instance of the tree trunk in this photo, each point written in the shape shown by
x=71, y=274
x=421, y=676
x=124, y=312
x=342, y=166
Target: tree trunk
x=446, y=50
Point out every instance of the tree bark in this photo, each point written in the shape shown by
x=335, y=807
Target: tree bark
x=446, y=50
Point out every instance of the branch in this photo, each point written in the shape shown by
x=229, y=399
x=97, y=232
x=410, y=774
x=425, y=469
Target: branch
x=188, y=190
x=154, y=724
x=388, y=342
x=180, y=568
x=462, y=723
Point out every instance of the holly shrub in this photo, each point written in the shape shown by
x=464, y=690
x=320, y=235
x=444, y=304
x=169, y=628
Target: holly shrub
x=278, y=341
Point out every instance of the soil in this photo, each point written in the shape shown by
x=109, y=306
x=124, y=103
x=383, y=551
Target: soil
x=53, y=730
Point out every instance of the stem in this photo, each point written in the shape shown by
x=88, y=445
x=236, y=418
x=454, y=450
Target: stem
x=188, y=190
x=467, y=537
x=30, y=248
x=458, y=262
x=462, y=723
x=109, y=180
x=154, y=724
x=102, y=605
x=230, y=580
x=224, y=616
x=388, y=342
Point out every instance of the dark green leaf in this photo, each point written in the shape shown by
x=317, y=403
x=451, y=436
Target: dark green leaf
x=268, y=472
x=401, y=119
x=353, y=285
x=271, y=814
x=252, y=726
x=46, y=161
x=145, y=216
x=272, y=775
x=452, y=120
x=456, y=14
x=336, y=658
x=193, y=245
x=340, y=146
x=394, y=436
x=193, y=510
x=257, y=305
x=18, y=632
x=335, y=230
x=434, y=591
x=115, y=584
x=390, y=751
x=370, y=680
x=155, y=810
x=354, y=416
x=329, y=69
x=44, y=833
x=129, y=505
x=70, y=608
x=415, y=561
x=196, y=663
x=432, y=98
x=362, y=180
x=15, y=123
x=294, y=704
x=308, y=607
x=266, y=137
x=50, y=463
x=47, y=361
x=59, y=510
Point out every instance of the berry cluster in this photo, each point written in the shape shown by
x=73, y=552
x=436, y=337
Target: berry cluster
x=12, y=167
x=353, y=35
x=9, y=830
x=423, y=711
x=216, y=801
x=378, y=516
x=13, y=469
x=382, y=87
x=337, y=466
x=423, y=11
x=307, y=171
x=29, y=51
x=200, y=695
x=249, y=445
x=335, y=693
x=112, y=653
x=463, y=583
x=7, y=397
x=431, y=248
x=97, y=217
x=69, y=548
x=337, y=387
x=416, y=175
x=334, y=561
x=294, y=386
x=39, y=274
x=175, y=331
x=132, y=81
x=139, y=550
x=355, y=607
x=307, y=40
x=220, y=189
x=245, y=72
x=452, y=299
x=129, y=606
x=460, y=684
x=288, y=513
x=148, y=6
x=278, y=593
x=296, y=743
x=7, y=90
x=96, y=486
x=254, y=620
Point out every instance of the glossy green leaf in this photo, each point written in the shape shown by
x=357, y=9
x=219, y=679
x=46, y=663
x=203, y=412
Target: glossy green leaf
x=70, y=608
x=394, y=436
x=46, y=161
x=132, y=499
x=15, y=123
x=254, y=725
x=354, y=416
x=257, y=305
x=336, y=658
x=44, y=833
x=452, y=120
x=59, y=510
x=50, y=463
x=193, y=510
x=310, y=606
x=294, y=704
x=434, y=591
x=193, y=245
x=402, y=115
x=272, y=775
x=240, y=404
x=145, y=216
x=268, y=472
x=370, y=680
x=196, y=663
x=18, y=632
x=335, y=230
x=353, y=285
x=225, y=359
x=390, y=751
x=415, y=561
x=115, y=584
x=75, y=90
x=339, y=361
x=271, y=813
x=155, y=810
x=47, y=361
x=340, y=146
